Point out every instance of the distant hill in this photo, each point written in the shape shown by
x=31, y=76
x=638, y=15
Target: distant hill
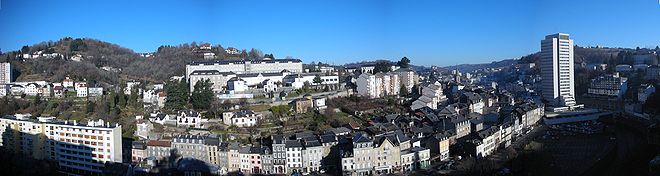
x=108, y=63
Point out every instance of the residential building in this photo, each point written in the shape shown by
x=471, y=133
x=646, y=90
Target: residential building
x=246, y=66
x=439, y=144
x=138, y=151
x=408, y=77
x=190, y=146
x=5, y=73
x=557, y=70
x=304, y=104
x=312, y=155
x=244, y=118
x=608, y=85
x=431, y=97
x=378, y=85
x=293, y=156
x=415, y=158
x=474, y=101
x=81, y=89
x=233, y=157
x=95, y=91
x=190, y=118
x=161, y=149
x=219, y=79
x=279, y=154
x=80, y=149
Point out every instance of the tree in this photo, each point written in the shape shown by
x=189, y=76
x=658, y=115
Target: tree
x=269, y=56
x=177, y=94
x=255, y=54
x=317, y=79
x=403, y=90
x=383, y=66
x=202, y=95
x=25, y=49
x=404, y=62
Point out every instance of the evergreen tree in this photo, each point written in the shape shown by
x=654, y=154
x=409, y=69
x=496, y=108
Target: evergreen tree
x=202, y=95
x=404, y=62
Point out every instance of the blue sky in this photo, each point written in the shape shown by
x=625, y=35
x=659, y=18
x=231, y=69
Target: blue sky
x=428, y=32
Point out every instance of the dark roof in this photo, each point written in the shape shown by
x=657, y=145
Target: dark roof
x=293, y=143
x=210, y=72
x=242, y=61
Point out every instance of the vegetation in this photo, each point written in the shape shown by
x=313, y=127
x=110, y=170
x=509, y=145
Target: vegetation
x=404, y=62
x=177, y=94
x=383, y=66
x=202, y=96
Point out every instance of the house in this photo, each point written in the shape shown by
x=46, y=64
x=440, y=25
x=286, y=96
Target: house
x=138, y=151
x=245, y=118
x=304, y=104
x=474, y=102
x=279, y=154
x=58, y=91
x=312, y=155
x=236, y=84
x=294, y=162
x=190, y=118
x=67, y=82
x=81, y=89
x=31, y=89
x=439, y=144
x=160, y=149
x=269, y=85
x=162, y=119
x=144, y=129
x=319, y=104
x=95, y=91
x=415, y=158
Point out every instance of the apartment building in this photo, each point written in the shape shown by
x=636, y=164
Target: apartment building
x=244, y=118
x=279, y=154
x=80, y=149
x=246, y=66
x=408, y=77
x=378, y=85
x=192, y=146
x=312, y=155
x=293, y=156
x=5, y=73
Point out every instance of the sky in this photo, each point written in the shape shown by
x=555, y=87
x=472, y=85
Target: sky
x=441, y=33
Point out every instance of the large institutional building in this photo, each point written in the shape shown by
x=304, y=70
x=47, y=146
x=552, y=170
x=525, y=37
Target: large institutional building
x=245, y=66
x=80, y=149
x=5, y=73
x=557, y=70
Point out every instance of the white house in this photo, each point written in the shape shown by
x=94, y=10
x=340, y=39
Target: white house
x=190, y=118
x=241, y=119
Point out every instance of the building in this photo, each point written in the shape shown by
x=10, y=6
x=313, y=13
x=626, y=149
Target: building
x=431, y=96
x=415, y=158
x=138, y=151
x=474, y=101
x=408, y=77
x=557, y=70
x=439, y=145
x=219, y=79
x=5, y=73
x=81, y=89
x=161, y=149
x=245, y=118
x=190, y=146
x=304, y=104
x=233, y=157
x=293, y=156
x=279, y=154
x=190, y=118
x=378, y=85
x=608, y=85
x=81, y=149
x=312, y=155
x=246, y=66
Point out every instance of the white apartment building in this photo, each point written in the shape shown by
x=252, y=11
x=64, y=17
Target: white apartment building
x=80, y=149
x=293, y=156
x=557, y=70
x=5, y=73
x=608, y=85
x=378, y=85
x=245, y=66
x=431, y=96
x=408, y=77
x=312, y=155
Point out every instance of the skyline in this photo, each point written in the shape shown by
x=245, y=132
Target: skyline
x=428, y=32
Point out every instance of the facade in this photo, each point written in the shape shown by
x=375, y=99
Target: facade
x=81, y=89
x=77, y=148
x=160, y=149
x=431, y=96
x=557, y=70
x=245, y=118
x=415, y=158
x=378, y=85
x=245, y=66
x=190, y=118
x=608, y=85
x=279, y=154
x=408, y=77
x=312, y=155
x=5, y=73
x=219, y=79
x=233, y=157
x=190, y=146
x=293, y=156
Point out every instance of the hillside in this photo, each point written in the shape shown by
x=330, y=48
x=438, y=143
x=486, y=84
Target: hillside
x=107, y=63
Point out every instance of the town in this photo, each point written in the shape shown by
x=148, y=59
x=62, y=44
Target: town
x=85, y=106
x=280, y=116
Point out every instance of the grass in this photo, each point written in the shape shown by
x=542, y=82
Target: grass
x=259, y=108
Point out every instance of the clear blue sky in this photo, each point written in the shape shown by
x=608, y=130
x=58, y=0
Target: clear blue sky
x=429, y=32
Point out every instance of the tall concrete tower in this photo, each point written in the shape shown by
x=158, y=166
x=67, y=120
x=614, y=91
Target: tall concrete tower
x=557, y=70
